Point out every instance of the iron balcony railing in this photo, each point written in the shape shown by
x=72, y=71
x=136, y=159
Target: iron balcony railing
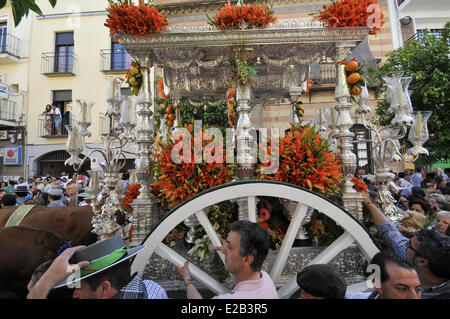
x=10, y=44
x=54, y=64
x=114, y=60
x=420, y=34
x=48, y=129
x=8, y=110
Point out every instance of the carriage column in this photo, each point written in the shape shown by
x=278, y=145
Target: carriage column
x=245, y=158
x=144, y=206
x=352, y=199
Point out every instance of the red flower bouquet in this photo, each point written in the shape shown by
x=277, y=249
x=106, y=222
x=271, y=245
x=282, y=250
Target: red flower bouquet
x=306, y=161
x=130, y=195
x=178, y=180
x=141, y=20
x=359, y=186
x=352, y=13
x=234, y=17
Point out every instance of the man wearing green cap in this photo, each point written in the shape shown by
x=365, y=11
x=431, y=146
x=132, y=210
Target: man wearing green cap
x=106, y=276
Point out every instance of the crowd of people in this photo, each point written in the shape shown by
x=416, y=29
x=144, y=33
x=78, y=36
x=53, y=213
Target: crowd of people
x=425, y=194
x=66, y=189
x=409, y=267
x=416, y=268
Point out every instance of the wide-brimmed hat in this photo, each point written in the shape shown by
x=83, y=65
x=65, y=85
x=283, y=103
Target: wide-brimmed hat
x=101, y=256
x=21, y=189
x=322, y=280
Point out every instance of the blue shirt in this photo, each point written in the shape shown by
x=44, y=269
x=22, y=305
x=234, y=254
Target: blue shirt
x=56, y=203
x=416, y=180
x=390, y=234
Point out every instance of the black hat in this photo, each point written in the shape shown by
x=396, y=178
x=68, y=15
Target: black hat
x=322, y=280
x=101, y=255
x=21, y=189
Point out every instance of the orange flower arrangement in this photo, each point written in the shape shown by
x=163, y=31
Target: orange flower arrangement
x=352, y=13
x=130, y=195
x=306, y=161
x=141, y=20
x=161, y=89
x=234, y=17
x=177, y=182
x=231, y=104
x=359, y=186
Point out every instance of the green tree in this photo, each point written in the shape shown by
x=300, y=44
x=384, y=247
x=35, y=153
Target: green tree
x=427, y=61
x=21, y=8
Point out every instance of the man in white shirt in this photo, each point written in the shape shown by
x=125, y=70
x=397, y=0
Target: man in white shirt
x=245, y=250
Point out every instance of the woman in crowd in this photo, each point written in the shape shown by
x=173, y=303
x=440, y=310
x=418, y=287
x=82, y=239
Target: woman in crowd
x=48, y=119
x=442, y=221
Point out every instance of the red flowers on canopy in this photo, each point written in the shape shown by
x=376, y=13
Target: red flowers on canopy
x=125, y=17
x=232, y=17
x=352, y=13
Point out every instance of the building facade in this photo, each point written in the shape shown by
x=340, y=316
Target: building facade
x=67, y=54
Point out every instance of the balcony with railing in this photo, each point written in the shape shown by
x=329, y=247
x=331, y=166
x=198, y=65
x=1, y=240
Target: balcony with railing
x=50, y=128
x=114, y=61
x=8, y=110
x=437, y=33
x=55, y=64
x=9, y=49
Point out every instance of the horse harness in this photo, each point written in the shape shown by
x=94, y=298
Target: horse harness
x=18, y=215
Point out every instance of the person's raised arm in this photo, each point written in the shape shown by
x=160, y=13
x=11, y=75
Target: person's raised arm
x=377, y=216
x=58, y=271
x=191, y=291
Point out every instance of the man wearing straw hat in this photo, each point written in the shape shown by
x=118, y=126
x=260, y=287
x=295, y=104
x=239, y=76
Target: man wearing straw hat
x=99, y=271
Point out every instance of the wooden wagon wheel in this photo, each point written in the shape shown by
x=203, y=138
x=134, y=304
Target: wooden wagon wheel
x=354, y=232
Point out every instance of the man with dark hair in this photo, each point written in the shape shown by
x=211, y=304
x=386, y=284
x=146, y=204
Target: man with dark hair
x=321, y=281
x=105, y=273
x=245, y=250
x=428, y=250
x=22, y=194
x=9, y=200
x=398, y=279
x=10, y=188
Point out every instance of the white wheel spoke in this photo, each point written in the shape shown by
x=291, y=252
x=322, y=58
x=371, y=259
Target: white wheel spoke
x=252, y=209
x=288, y=240
x=354, y=232
x=345, y=240
x=178, y=260
x=209, y=229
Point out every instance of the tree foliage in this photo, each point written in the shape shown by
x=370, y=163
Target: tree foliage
x=427, y=61
x=21, y=8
